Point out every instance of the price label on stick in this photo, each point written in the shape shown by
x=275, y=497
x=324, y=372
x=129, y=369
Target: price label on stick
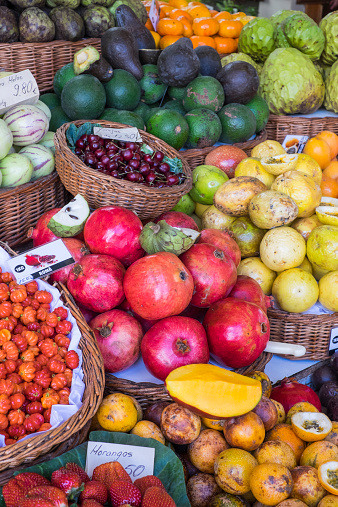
x=137, y=461
x=128, y=134
x=17, y=89
x=154, y=13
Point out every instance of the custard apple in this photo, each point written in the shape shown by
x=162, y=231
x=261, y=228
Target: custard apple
x=257, y=39
x=302, y=33
x=331, y=92
x=135, y=5
x=290, y=83
x=329, y=26
x=279, y=16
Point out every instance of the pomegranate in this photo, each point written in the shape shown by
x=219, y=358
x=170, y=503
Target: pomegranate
x=115, y=231
x=41, y=234
x=145, y=324
x=291, y=392
x=223, y=241
x=226, y=158
x=88, y=314
x=237, y=331
x=194, y=313
x=119, y=338
x=248, y=289
x=174, y=342
x=178, y=219
x=158, y=286
x=213, y=272
x=96, y=282
x=78, y=249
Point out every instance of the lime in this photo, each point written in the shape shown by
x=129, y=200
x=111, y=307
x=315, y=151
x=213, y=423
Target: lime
x=206, y=180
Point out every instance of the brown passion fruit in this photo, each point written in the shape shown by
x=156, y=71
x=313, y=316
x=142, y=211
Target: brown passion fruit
x=333, y=435
x=201, y=488
x=318, y=453
x=153, y=412
x=306, y=485
x=179, y=425
x=328, y=391
x=245, y=431
x=204, y=450
x=280, y=411
x=301, y=406
x=267, y=411
x=276, y=451
x=271, y=483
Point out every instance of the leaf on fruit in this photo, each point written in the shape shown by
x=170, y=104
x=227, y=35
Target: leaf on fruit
x=175, y=164
x=74, y=133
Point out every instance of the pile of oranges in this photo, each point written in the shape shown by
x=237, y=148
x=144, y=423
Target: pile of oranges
x=205, y=27
x=324, y=149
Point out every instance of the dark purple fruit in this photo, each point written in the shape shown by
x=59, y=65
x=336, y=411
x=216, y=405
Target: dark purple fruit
x=332, y=409
x=323, y=374
x=153, y=412
x=159, y=156
x=334, y=362
x=327, y=391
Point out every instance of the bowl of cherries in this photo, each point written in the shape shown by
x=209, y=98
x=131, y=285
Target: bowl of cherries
x=129, y=161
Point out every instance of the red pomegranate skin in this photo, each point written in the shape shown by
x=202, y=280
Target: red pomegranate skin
x=145, y=324
x=41, y=234
x=291, y=392
x=158, y=286
x=88, y=314
x=78, y=250
x=213, y=272
x=223, y=241
x=119, y=338
x=248, y=289
x=96, y=282
x=237, y=332
x=178, y=219
x=174, y=342
x=115, y=231
x=194, y=313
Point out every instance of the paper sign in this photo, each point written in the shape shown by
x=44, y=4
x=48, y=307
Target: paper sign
x=294, y=143
x=137, y=461
x=333, y=344
x=17, y=89
x=40, y=261
x=154, y=13
x=128, y=134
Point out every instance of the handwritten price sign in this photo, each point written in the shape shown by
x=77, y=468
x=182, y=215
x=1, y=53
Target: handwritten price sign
x=17, y=89
x=128, y=134
x=137, y=461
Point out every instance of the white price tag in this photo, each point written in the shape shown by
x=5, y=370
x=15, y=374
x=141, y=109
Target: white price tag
x=40, y=261
x=17, y=89
x=333, y=345
x=294, y=143
x=128, y=134
x=154, y=13
x=137, y=461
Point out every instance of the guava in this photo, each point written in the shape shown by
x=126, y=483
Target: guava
x=304, y=34
x=206, y=180
x=290, y=83
x=256, y=269
x=247, y=236
x=329, y=26
x=257, y=39
x=328, y=291
x=322, y=247
x=306, y=265
x=185, y=205
x=306, y=225
x=295, y=290
x=282, y=248
x=213, y=218
x=331, y=95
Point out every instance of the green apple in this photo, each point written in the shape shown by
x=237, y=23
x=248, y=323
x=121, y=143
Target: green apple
x=185, y=205
x=206, y=180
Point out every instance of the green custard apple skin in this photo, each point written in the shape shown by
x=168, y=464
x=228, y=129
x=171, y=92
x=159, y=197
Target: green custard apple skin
x=290, y=83
x=279, y=16
x=257, y=39
x=329, y=26
x=331, y=89
x=280, y=38
x=304, y=34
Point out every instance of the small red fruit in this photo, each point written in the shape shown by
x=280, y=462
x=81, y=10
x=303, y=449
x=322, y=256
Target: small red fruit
x=17, y=487
x=94, y=490
x=57, y=497
x=67, y=481
x=109, y=473
x=178, y=219
x=157, y=497
x=148, y=481
x=74, y=467
x=122, y=492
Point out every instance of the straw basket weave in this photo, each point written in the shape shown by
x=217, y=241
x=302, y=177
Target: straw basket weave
x=280, y=126
x=43, y=59
x=104, y=190
x=196, y=157
x=311, y=331
x=22, y=206
x=148, y=393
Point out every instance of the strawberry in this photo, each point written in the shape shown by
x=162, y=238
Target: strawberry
x=147, y=482
x=56, y=497
x=68, y=481
x=18, y=486
x=94, y=490
x=157, y=497
x=35, y=502
x=90, y=503
x=122, y=492
x=74, y=467
x=109, y=473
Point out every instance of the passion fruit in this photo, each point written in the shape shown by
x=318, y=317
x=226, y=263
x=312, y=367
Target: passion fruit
x=324, y=373
x=227, y=500
x=328, y=476
x=327, y=391
x=247, y=236
x=271, y=209
x=263, y=378
x=245, y=431
x=306, y=225
x=267, y=412
x=213, y=424
x=311, y=426
x=148, y=429
x=329, y=501
x=276, y=451
x=301, y=406
x=233, y=468
x=256, y=269
x=276, y=251
x=203, y=451
x=333, y=435
x=271, y=483
x=291, y=502
x=285, y=433
x=201, y=488
x=280, y=411
x=212, y=218
x=306, y=485
x=319, y=452
x=153, y=412
x=179, y=425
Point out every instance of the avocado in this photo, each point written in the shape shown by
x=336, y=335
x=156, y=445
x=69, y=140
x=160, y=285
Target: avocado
x=142, y=110
x=109, y=114
x=178, y=64
x=130, y=118
x=152, y=88
x=240, y=82
x=123, y=91
x=97, y=20
x=210, y=61
x=84, y=58
x=126, y=18
x=68, y=24
x=101, y=69
x=119, y=48
x=9, y=30
x=36, y=26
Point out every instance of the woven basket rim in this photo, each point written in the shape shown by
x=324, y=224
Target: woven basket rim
x=301, y=318
x=301, y=118
x=52, y=43
x=27, y=187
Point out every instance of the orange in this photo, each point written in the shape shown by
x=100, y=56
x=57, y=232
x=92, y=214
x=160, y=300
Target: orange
x=222, y=15
x=147, y=8
x=199, y=40
x=149, y=24
x=225, y=45
x=332, y=140
x=167, y=26
x=178, y=13
x=285, y=433
x=165, y=10
x=238, y=15
x=332, y=170
x=199, y=11
x=319, y=150
x=205, y=26
x=157, y=38
x=187, y=32
x=178, y=4
x=229, y=28
x=329, y=187
x=213, y=12
x=167, y=40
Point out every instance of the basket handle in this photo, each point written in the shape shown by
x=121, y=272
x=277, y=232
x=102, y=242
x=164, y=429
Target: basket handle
x=285, y=348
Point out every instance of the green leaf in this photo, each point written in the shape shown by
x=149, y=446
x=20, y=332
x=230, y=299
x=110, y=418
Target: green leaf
x=74, y=133
x=146, y=149
x=175, y=164
x=167, y=466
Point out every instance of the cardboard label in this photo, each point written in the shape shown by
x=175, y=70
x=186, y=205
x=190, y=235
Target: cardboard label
x=17, y=89
x=128, y=134
x=294, y=143
x=137, y=461
x=333, y=344
x=40, y=261
x=154, y=13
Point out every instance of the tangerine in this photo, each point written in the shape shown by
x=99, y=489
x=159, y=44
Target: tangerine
x=187, y=32
x=285, y=433
x=167, y=40
x=222, y=15
x=318, y=149
x=179, y=13
x=199, y=40
x=205, y=26
x=165, y=10
x=225, y=45
x=178, y=4
x=167, y=26
x=332, y=170
x=149, y=25
x=230, y=28
x=156, y=37
x=199, y=11
x=329, y=187
x=332, y=140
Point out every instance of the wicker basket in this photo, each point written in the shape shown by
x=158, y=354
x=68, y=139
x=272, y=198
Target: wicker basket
x=148, y=393
x=22, y=206
x=311, y=331
x=280, y=126
x=43, y=59
x=196, y=157
x=103, y=190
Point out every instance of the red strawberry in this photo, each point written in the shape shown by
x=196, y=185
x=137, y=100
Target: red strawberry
x=109, y=473
x=122, y=492
x=94, y=490
x=74, y=467
x=18, y=486
x=35, y=502
x=90, y=503
x=57, y=497
x=157, y=497
x=68, y=481
x=147, y=482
